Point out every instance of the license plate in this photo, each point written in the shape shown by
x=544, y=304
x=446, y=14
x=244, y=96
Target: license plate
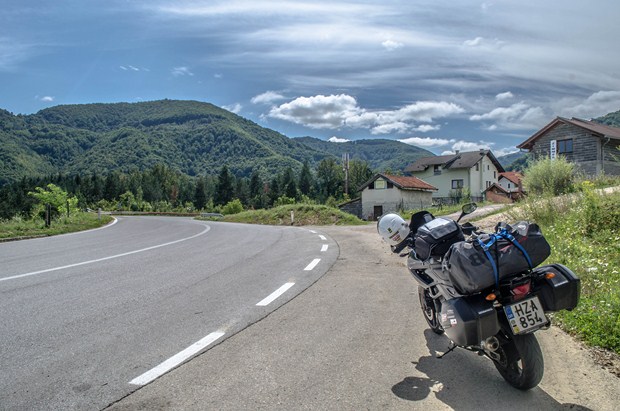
x=525, y=316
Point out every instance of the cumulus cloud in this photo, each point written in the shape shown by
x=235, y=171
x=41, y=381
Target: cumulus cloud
x=318, y=111
x=504, y=96
x=335, y=139
x=517, y=116
x=181, y=71
x=335, y=111
x=427, y=141
x=267, y=97
x=46, y=99
x=234, y=108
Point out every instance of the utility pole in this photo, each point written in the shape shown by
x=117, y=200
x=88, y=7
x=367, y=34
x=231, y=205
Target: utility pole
x=345, y=167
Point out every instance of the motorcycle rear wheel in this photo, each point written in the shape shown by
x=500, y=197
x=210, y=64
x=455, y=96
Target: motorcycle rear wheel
x=430, y=313
x=521, y=362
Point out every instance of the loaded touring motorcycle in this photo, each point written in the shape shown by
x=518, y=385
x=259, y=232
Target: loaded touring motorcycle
x=488, y=293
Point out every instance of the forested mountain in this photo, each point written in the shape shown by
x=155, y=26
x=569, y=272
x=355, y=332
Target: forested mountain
x=610, y=119
x=380, y=154
x=194, y=138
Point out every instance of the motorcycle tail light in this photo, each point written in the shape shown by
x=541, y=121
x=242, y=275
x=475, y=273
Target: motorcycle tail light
x=549, y=276
x=491, y=297
x=521, y=290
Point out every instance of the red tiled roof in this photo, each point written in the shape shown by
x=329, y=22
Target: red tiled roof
x=512, y=176
x=402, y=182
x=409, y=182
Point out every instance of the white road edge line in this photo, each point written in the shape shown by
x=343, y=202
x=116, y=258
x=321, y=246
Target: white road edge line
x=312, y=231
x=312, y=264
x=271, y=297
x=324, y=247
x=207, y=228
x=176, y=359
x=322, y=237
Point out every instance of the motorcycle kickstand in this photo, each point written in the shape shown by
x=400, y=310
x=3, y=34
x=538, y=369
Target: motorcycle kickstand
x=451, y=348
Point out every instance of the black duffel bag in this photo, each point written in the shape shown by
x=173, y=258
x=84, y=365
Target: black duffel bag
x=475, y=265
x=434, y=238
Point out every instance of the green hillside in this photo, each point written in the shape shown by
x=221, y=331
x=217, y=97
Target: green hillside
x=380, y=154
x=189, y=136
x=192, y=137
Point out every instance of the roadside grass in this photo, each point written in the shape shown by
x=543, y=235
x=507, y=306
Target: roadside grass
x=18, y=227
x=303, y=214
x=584, y=233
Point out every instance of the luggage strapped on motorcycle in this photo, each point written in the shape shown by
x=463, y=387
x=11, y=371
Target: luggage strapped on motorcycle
x=502, y=233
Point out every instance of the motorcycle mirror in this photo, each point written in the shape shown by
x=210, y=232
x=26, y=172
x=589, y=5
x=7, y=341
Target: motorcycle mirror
x=467, y=209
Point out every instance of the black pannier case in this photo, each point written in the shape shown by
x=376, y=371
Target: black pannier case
x=560, y=292
x=470, y=269
x=434, y=238
x=469, y=320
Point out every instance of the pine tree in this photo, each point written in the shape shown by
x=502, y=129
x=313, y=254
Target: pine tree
x=225, y=189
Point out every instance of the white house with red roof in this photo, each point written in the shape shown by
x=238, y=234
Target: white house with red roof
x=388, y=193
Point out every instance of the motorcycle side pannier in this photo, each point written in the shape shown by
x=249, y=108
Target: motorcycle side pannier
x=560, y=292
x=470, y=269
x=469, y=320
x=434, y=238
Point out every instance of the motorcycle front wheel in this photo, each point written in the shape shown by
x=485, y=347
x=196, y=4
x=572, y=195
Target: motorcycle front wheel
x=520, y=361
x=428, y=309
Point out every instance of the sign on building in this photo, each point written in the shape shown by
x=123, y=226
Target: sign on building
x=553, y=149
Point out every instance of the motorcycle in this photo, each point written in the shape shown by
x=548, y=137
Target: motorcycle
x=486, y=292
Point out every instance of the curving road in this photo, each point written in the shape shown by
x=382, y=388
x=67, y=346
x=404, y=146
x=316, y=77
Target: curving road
x=88, y=318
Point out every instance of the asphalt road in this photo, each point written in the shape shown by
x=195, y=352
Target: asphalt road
x=356, y=340
x=88, y=318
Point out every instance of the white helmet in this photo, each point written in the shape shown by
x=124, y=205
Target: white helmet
x=392, y=228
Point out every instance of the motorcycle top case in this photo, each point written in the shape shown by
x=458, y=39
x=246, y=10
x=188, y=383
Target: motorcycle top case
x=434, y=238
x=561, y=292
x=469, y=320
x=470, y=269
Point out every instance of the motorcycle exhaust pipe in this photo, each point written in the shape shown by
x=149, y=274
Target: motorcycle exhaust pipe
x=491, y=344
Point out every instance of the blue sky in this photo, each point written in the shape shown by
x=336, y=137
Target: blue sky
x=443, y=75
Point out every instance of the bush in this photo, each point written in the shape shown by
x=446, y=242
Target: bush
x=233, y=207
x=548, y=176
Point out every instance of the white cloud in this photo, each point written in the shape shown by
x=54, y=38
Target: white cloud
x=335, y=111
x=47, y=99
x=424, y=128
x=473, y=43
x=392, y=45
x=317, y=111
x=234, y=108
x=335, y=139
x=517, y=116
x=267, y=97
x=427, y=141
x=596, y=105
x=181, y=71
x=504, y=96
x=465, y=146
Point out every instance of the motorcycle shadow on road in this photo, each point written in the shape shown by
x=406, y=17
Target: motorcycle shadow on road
x=463, y=380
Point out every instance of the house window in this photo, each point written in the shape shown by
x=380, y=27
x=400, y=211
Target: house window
x=565, y=146
x=508, y=185
x=390, y=184
x=495, y=174
x=437, y=169
x=380, y=184
x=489, y=184
x=477, y=166
x=457, y=184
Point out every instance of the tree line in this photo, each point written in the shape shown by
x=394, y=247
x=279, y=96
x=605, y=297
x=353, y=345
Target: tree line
x=162, y=188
